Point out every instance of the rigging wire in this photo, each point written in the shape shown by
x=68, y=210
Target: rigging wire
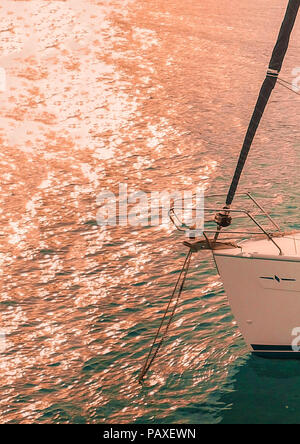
x=291, y=88
x=285, y=85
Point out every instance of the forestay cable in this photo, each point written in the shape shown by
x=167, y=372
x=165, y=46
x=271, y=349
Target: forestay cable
x=269, y=83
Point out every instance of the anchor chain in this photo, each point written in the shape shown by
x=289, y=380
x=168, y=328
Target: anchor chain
x=165, y=323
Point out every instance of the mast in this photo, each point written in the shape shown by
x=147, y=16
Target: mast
x=223, y=219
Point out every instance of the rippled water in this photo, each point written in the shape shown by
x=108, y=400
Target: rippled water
x=156, y=95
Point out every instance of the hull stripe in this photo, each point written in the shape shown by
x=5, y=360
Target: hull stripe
x=275, y=351
x=272, y=348
x=277, y=355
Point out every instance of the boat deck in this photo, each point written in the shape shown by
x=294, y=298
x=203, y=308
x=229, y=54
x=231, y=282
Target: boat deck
x=289, y=244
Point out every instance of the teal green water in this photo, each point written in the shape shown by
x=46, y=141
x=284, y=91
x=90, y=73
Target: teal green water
x=156, y=95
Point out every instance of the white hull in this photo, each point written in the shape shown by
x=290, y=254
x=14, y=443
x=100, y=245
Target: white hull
x=263, y=289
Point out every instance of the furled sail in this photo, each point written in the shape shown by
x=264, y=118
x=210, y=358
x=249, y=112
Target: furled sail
x=265, y=92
